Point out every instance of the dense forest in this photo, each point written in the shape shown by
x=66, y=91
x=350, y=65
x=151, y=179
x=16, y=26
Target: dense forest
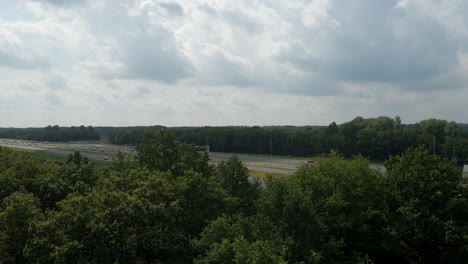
x=51, y=133
x=168, y=205
x=376, y=138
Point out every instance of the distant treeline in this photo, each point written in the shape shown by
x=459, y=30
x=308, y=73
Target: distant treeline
x=51, y=133
x=109, y=131
x=376, y=138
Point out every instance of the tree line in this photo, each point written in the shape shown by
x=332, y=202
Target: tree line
x=168, y=205
x=375, y=138
x=51, y=133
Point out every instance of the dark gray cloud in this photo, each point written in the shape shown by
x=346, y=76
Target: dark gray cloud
x=53, y=100
x=13, y=60
x=55, y=82
x=297, y=55
x=239, y=19
x=173, y=8
x=218, y=70
x=14, y=54
x=208, y=9
x=142, y=91
x=63, y=3
x=290, y=59
x=153, y=58
x=144, y=48
x=375, y=41
x=389, y=57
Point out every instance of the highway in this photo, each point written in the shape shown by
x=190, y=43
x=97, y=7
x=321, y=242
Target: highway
x=92, y=151
x=106, y=152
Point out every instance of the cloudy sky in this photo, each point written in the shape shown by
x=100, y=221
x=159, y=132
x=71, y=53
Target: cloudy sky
x=220, y=62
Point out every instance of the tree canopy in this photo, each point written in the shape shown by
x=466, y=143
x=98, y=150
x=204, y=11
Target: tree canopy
x=374, y=138
x=170, y=206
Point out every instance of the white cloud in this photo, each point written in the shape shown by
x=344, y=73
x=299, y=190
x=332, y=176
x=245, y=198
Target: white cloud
x=316, y=14
x=214, y=62
x=13, y=52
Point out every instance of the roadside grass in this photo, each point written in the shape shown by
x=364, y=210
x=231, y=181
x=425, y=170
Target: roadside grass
x=273, y=165
x=48, y=156
x=19, y=149
x=268, y=157
x=264, y=175
x=261, y=165
x=92, y=152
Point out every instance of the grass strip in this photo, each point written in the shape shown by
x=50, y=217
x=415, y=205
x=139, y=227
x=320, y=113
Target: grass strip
x=50, y=156
x=261, y=165
x=265, y=175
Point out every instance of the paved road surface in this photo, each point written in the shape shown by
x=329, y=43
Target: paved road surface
x=268, y=161
x=265, y=169
x=20, y=146
x=56, y=148
x=102, y=152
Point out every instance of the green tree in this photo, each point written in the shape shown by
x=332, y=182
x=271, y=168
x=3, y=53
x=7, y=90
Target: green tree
x=76, y=175
x=202, y=199
x=241, y=251
x=239, y=239
x=18, y=215
x=332, y=210
x=426, y=196
x=161, y=151
x=234, y=178
x=161, y=236
x=97, y=228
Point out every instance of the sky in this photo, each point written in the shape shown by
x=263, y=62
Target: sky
x=219, y=63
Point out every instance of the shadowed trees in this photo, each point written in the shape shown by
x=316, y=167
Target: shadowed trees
x=426, y=197
x=161, y=151
x=375, y=138
x=181, y=210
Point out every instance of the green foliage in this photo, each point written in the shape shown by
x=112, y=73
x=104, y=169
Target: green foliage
x=161, y=233
x=51, y=133
x=96, y=228
x=376, y=138
x=47, y=181
x=161, y=151
x=77, y=175
x=240, y=251
x=428, y=206
x=332, y=210
x=240, y=240
x=233, y=176
x=202, y=199
x=22, y=173
x=169, y=206
x=18, y=214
